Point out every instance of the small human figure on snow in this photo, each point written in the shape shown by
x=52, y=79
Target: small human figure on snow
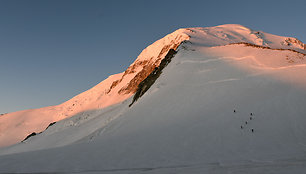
x=252, y=130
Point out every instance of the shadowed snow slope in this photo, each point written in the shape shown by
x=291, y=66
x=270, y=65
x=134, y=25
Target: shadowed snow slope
x=216, y=108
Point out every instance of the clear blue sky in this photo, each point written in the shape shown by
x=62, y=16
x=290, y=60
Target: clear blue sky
x=51, y=50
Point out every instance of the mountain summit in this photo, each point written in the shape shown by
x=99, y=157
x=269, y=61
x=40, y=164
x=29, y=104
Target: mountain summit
x=200, y=100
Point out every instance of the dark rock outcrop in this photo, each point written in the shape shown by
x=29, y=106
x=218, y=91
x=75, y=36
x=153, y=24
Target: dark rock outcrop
x=265, y=47
x=151, y=78
x=31, y=135
x=290, y=41
x=147, y=67
x=50, y=125
x=34, y=133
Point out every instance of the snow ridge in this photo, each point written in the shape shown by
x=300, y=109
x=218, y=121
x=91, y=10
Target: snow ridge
x=231, y=100
x=14, y=127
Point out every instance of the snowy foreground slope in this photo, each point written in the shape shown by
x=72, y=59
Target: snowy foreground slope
x=197, y=117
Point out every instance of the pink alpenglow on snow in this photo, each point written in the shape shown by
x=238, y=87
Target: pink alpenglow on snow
x=14, y=127
x=228, y=100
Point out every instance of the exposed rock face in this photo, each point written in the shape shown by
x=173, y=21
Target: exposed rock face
x=148, y=67
x=31, y=135
x=151, y=78
x=51, y=124
x=147, y=61
x=34, y=133
x=296, y=42
x=266, y=47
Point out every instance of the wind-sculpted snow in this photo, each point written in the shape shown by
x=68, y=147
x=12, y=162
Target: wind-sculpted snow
x=230, y=101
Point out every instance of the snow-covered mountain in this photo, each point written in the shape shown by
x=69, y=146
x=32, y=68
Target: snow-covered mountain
x=14, y=127
x=229, y=99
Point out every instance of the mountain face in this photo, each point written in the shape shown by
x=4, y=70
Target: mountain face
x=224, y=99
x=14, y=127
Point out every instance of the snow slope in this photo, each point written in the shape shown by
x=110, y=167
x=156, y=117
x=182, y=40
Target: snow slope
x=14, y=127
x=185, y=122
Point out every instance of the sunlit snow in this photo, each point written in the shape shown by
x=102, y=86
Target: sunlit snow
x=218, y=107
